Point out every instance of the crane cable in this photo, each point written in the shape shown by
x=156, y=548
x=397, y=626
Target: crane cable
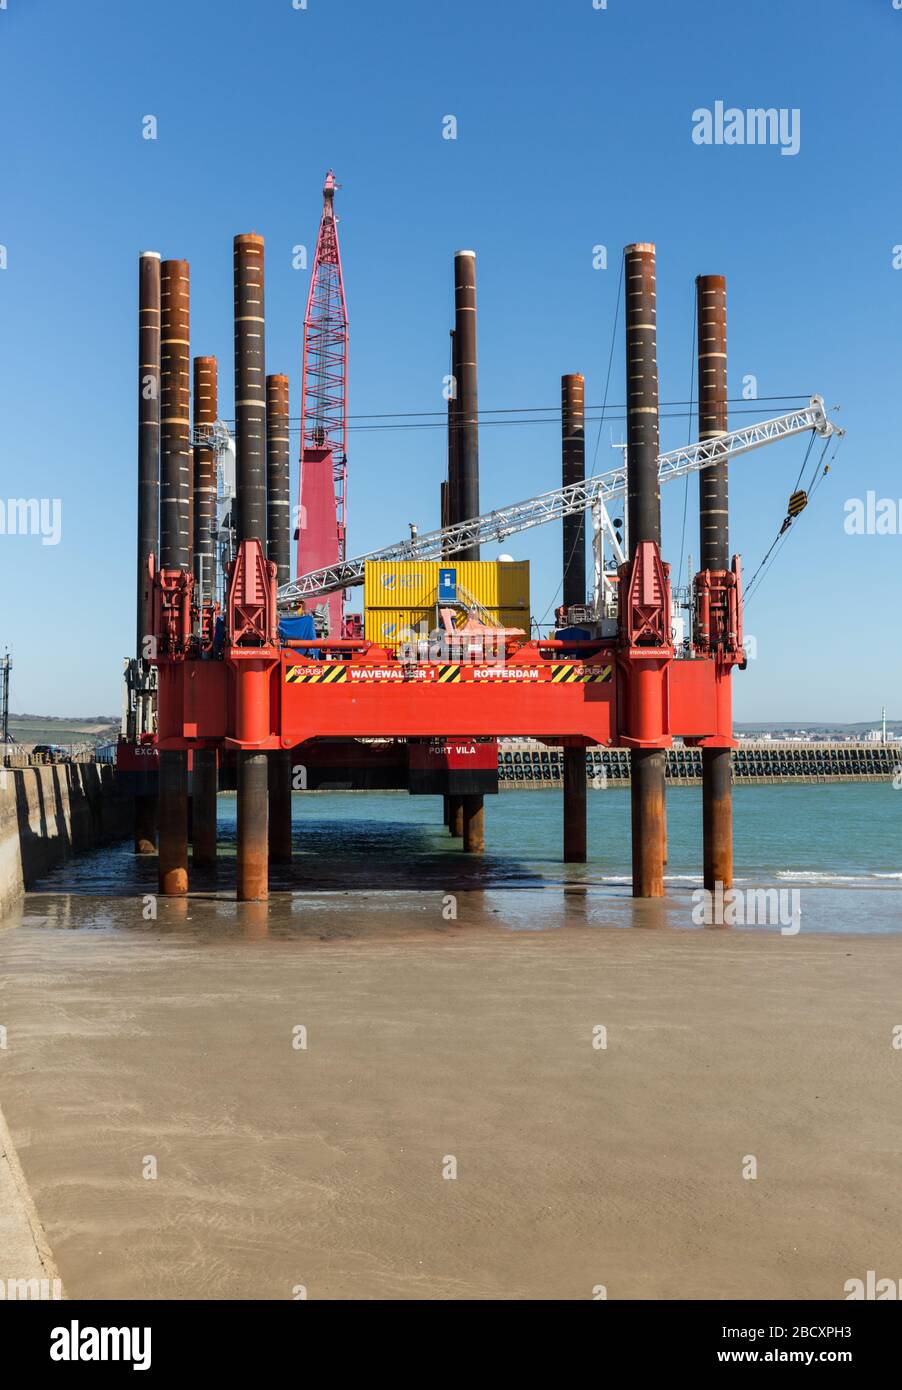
x=786, y=524
x=771, y=555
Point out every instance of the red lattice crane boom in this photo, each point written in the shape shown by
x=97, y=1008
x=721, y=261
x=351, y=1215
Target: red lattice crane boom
x=322, y=512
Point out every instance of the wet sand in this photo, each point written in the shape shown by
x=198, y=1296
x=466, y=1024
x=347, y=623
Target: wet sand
x=430, y=1039
x=25, y=1257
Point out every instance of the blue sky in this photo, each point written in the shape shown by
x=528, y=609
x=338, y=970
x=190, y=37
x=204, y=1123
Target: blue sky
x=574, y=129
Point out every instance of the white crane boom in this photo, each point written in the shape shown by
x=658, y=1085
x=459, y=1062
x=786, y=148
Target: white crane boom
x=565, y=501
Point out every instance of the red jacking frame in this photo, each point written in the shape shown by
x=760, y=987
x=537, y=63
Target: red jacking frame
x=630, y=692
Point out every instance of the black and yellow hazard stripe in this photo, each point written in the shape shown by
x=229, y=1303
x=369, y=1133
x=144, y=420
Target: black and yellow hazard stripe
x=797, y=503
x=562, y=674
x=565, y=674
x=310, y=675
x=448, y=675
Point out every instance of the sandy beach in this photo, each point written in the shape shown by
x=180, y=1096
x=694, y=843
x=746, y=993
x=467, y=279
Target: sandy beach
x=171, y=1047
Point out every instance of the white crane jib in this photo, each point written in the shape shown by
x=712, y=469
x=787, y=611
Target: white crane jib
x=591, y=494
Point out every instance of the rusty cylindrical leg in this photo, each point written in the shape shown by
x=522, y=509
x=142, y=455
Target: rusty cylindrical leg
x=473, y=815
x=466, y=426
x=173, y=856
x=252, y=852
x=148, y=495
x=573, y=470
x=713, y=482
x=456, y=816
x=451, y=491
x=474, y=824
x=175, y=540
x=717, y=816
x=280, y=764
x=278, y=549
x=644, y=517
x=204, y=779
x=148, y=438
x=145, y=825
x=278, y=506
x=467, y=408
x=176, y=458
x=647, y=787
x=250, y=388
x=204, y=771
x=642, y=427
x=206, y=411
x=574, y=806
x=714, y=536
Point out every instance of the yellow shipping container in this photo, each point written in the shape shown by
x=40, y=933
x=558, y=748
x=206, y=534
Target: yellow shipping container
x=494, y=584
x=392, y=626
x=515, y=617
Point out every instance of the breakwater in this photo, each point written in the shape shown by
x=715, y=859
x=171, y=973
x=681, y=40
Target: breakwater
x=50, y=812
x=527, y=763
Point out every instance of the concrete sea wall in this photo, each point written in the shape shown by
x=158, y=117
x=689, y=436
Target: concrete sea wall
x=49, y=813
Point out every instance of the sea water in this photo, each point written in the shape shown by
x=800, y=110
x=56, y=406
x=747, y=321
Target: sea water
x=840, y=845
